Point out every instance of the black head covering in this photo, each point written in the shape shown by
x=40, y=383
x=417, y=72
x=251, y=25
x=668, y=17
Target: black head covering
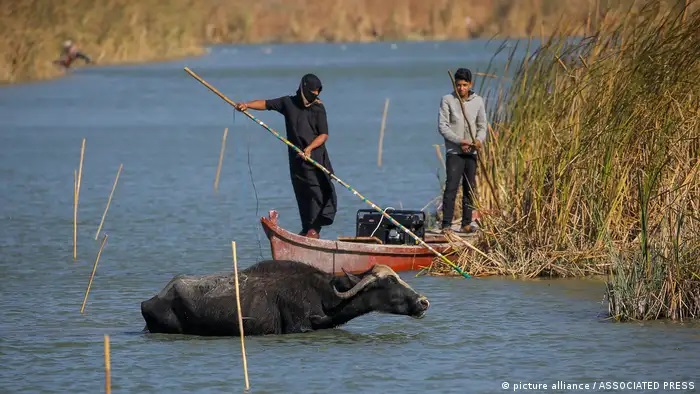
x=308, y=83
x=463, y=74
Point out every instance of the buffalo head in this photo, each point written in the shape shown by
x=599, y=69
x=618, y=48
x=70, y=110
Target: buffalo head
x=380, y=289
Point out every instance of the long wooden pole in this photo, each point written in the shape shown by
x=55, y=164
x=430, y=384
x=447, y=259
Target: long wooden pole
x=108, y=202
x=108, y=368
x=381, y=134
x=77, y=199
x=75, y=214
x=340, y=181
x=240, y=314
x=479, y=155
x=94, y=268
x=80, y=169
x=221, y=160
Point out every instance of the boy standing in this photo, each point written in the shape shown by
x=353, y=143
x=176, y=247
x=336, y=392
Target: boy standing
x=462, y=141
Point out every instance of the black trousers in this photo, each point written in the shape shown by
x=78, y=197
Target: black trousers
x=459, y=167
x=315, y=195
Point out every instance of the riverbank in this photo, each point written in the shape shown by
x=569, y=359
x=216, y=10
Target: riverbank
x=595, y=165
x=120, y=31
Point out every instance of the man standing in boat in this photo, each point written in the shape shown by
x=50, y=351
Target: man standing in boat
x=307, y=128
x=461, y=148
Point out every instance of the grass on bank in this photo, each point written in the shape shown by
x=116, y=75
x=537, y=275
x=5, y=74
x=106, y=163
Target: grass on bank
x=124, y=31
x=596, y=163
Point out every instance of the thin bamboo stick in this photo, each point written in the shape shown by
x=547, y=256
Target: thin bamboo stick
x=76, y=201
x=80, y=169
x=108, y=368
x=381, y=134
x=108, y=202
x=94, y=268
x=221, y=160
x=75, y=214
x=240, y=315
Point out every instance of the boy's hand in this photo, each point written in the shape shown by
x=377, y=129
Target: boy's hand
x=469, y=146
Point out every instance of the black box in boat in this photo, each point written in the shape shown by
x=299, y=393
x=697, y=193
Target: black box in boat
x=371, y=223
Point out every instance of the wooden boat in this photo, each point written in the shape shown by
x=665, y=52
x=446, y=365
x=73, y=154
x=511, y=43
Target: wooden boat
x=354, y=254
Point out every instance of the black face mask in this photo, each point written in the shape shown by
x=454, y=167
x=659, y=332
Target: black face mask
x=309, y=96
x=308, y=83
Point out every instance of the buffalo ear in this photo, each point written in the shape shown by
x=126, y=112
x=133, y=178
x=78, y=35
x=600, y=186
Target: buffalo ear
x=352, y=278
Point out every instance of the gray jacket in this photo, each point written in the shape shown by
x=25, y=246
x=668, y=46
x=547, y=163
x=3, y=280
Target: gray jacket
x=451, y=123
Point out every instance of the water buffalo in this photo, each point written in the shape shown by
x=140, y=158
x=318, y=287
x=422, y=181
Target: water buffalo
x=277, y=297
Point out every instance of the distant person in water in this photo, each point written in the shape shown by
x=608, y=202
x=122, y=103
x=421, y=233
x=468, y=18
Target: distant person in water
x=69, y=54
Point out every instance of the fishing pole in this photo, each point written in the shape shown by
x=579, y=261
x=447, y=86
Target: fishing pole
x=324, y=169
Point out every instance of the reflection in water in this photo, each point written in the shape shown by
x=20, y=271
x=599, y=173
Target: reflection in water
x=342, y=337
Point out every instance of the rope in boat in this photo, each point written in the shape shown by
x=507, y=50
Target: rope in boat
x=380, y=221
x=324, y=169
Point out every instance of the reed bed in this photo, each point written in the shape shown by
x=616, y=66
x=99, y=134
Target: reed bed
x=118, y=31
x=596, y=163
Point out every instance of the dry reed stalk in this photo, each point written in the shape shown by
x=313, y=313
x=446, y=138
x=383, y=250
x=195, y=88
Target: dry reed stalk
x=76, y=202
x=97, y=233
x=466, y=243
x=75, y=214
x=92, y=275
x=80, y=169
x=108, y=367
x=221, y=160
x=381, y=134
x=240, y=315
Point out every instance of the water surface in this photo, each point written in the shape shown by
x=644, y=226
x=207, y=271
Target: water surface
x=166, y=219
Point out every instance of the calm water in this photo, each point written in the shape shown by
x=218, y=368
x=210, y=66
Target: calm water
x=165, y=219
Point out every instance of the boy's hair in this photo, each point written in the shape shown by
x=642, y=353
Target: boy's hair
x=463, y=74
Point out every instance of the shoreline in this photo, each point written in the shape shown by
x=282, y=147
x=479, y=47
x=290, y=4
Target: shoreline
x=115, y=32
x=206, y=49
x=63, y=73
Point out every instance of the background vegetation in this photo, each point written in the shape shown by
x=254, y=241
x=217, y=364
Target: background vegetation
x=117, y=31
x=595, y=163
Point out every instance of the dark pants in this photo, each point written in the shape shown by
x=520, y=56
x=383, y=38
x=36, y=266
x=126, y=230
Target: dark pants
x=459, y=167
x=315, y=195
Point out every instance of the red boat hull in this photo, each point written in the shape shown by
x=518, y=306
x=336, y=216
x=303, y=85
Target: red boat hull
x=333, y=256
